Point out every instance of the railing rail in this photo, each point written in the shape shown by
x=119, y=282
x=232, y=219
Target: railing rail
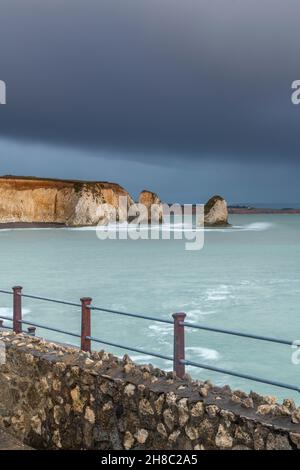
x=178, y=322
x=130, y=348
x=243, y=376
x=241, y=334
x=128, y=314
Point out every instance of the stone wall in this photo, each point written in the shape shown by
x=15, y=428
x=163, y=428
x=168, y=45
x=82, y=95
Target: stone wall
x=57, y=397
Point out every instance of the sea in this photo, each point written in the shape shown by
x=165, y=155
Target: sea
x=246, y=278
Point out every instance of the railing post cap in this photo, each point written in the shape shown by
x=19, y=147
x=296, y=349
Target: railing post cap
x=31, y=329
x=179, y=316
x=17, y=288
x=86, y=300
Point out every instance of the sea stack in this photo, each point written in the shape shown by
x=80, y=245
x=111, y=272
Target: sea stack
x=216, y=212
x=154, y=206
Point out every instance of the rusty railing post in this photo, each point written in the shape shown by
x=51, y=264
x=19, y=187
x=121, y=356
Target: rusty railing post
x=179, y=351
x=85, y=324
x=17, y=309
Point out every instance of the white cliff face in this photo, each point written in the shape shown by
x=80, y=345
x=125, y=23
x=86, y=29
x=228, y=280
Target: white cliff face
x=99, y=206
x=56, y=201
x=154, y=206
x=216, y=212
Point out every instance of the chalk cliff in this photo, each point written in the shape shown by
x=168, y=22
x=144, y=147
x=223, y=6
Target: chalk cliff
x=216, y=212
x=154, y=206
x=73, y=203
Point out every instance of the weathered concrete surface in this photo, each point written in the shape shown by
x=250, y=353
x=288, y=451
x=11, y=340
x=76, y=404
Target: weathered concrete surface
x=57, y=397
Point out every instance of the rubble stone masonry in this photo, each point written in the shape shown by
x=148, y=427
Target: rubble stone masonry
x=57, y=397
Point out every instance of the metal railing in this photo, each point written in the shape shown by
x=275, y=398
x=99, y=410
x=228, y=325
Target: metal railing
x=178, y=322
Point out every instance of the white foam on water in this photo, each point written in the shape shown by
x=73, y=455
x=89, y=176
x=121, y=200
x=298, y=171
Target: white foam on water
x=141, y=357
x=195, y=314
x=258, y=226
x=245, y=282
x=165, y=227
x=204, y=353
x=8, y=312
x=162, y=329
x=254, y=227
x=221, y=292
x=231, y=229
x=216, y=297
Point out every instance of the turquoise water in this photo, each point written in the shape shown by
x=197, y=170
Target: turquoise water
x=245, y=278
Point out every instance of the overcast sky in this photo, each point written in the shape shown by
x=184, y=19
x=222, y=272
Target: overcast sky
x=187, y=98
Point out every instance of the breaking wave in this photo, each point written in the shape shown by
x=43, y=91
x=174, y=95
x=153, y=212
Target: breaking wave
x=8, y=312
x=204, y=353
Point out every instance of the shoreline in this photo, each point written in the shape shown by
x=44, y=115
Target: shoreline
x=244, y=211
x=191, y=208
x=232, y=211
x=9, y=225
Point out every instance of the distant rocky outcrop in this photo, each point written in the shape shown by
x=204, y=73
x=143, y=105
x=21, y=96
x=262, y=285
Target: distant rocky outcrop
x=216, y=212
x=68, y=202
x=154, y=206
x=82, y=203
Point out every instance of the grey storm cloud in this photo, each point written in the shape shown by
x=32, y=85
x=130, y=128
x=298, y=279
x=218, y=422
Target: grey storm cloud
x=193, y=77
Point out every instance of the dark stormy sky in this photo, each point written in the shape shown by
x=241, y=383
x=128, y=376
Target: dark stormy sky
x=187, y=98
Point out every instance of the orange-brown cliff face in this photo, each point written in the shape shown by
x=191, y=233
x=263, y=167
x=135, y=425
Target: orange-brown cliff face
x=154, y=206
x=74, y=203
